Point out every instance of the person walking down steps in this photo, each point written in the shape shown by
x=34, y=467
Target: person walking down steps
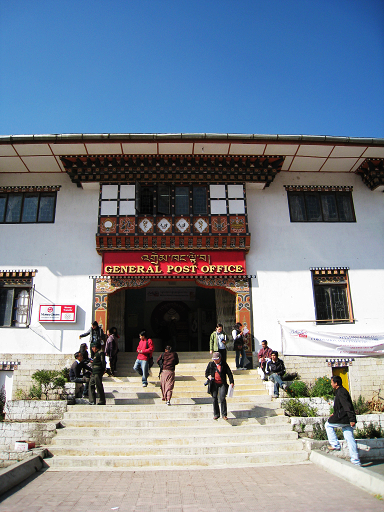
x=217, y=372
x=167, y=362
x=144, y=354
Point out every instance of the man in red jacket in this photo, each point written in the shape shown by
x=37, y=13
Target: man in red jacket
x=144, y=353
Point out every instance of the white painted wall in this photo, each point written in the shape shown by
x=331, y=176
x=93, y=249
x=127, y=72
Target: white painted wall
x=283, y=252
x=64, y=255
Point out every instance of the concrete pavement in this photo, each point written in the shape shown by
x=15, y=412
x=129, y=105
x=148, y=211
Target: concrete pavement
x=287, y=488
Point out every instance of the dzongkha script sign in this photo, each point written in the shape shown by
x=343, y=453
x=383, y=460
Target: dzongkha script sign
x=57, y=313
x=181, y=263
x=300, y=342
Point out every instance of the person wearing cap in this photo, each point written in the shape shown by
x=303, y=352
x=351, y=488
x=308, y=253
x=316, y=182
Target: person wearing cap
x=217, y=372
x=218, y=342
x=96, y=380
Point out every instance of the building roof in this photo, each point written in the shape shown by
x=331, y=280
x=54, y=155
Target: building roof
x=301, y=153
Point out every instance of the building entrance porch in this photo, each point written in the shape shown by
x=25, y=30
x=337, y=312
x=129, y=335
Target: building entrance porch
x=177, y=312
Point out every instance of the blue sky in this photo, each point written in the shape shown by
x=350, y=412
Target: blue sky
x=216, y=66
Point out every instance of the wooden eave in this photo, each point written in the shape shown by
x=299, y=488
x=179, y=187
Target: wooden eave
x=174, y=168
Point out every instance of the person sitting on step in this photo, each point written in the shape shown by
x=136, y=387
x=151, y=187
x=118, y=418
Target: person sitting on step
x=275, y=370
x=264, y=355
x=80, y=372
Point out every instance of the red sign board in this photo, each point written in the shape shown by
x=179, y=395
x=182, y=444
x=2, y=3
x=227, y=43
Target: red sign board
x=57, y=313
x=176, y=263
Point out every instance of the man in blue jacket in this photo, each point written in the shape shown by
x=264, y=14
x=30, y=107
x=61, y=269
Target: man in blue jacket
x=343, y=417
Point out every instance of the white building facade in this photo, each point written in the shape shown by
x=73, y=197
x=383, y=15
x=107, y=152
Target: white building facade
x=288, y=231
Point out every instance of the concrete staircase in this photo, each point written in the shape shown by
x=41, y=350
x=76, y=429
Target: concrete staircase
x=136, y=430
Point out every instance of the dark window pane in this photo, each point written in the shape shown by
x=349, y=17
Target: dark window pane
x=3, y=201
x=30, y=208
x=339, y=302
x=181, y=200
x=328, y=202
x=163, y=200
x=6, y=305
x=199, y=200
x=297, y=207
x=46, y=208
x=146, y=200
x=323, y=303
x=344, y=205
x=312, y=202
x=14, y=208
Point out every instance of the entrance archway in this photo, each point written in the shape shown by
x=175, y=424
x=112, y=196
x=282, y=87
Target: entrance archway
x=106, y=287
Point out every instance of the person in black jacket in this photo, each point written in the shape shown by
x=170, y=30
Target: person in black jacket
x=96, y=380
x=275, y=370
x=343, y=417
x=217, y=372
x=80, y=372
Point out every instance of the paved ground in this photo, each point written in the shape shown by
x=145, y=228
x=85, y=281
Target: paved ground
x=297, y=488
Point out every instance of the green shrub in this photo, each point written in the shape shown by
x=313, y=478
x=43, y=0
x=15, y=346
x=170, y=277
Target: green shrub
x=298, y=389
x=49, y=381
x=65, y=373
x=293, y=407
x=322, y=388
x=361, y=405
x=369, y=431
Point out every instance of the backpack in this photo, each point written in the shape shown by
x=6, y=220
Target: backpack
x=160, y=363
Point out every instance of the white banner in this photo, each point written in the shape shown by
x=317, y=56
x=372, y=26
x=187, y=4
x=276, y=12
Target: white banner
x=301, y=342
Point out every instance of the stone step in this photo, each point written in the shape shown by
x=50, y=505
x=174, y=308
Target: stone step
x=251, y=400
x=149, y=392
x=70, y=437
x=197, y=386
x=176, y=450
x=176, y=462
x=169, y=423
x=212, y=428
x=165, y=414
x=265, y=402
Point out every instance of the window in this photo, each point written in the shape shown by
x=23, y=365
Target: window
x=227, y=199
x=27, y=207
x=320, y=204
x=156, y=200
x=15, y=302
x=332, y=295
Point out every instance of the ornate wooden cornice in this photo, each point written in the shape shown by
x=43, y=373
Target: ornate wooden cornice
x=138, y=243
x=372, y=172
x=176, y=168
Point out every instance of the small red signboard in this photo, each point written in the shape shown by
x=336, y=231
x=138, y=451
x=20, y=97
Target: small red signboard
x=57, y=313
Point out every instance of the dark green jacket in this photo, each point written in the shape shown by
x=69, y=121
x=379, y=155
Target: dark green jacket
x=98, y=365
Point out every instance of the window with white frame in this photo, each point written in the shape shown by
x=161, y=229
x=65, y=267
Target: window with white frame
x=227, y=199
x=15, y=302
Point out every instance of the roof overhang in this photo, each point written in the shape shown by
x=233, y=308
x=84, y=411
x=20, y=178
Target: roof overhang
x=259, y=157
